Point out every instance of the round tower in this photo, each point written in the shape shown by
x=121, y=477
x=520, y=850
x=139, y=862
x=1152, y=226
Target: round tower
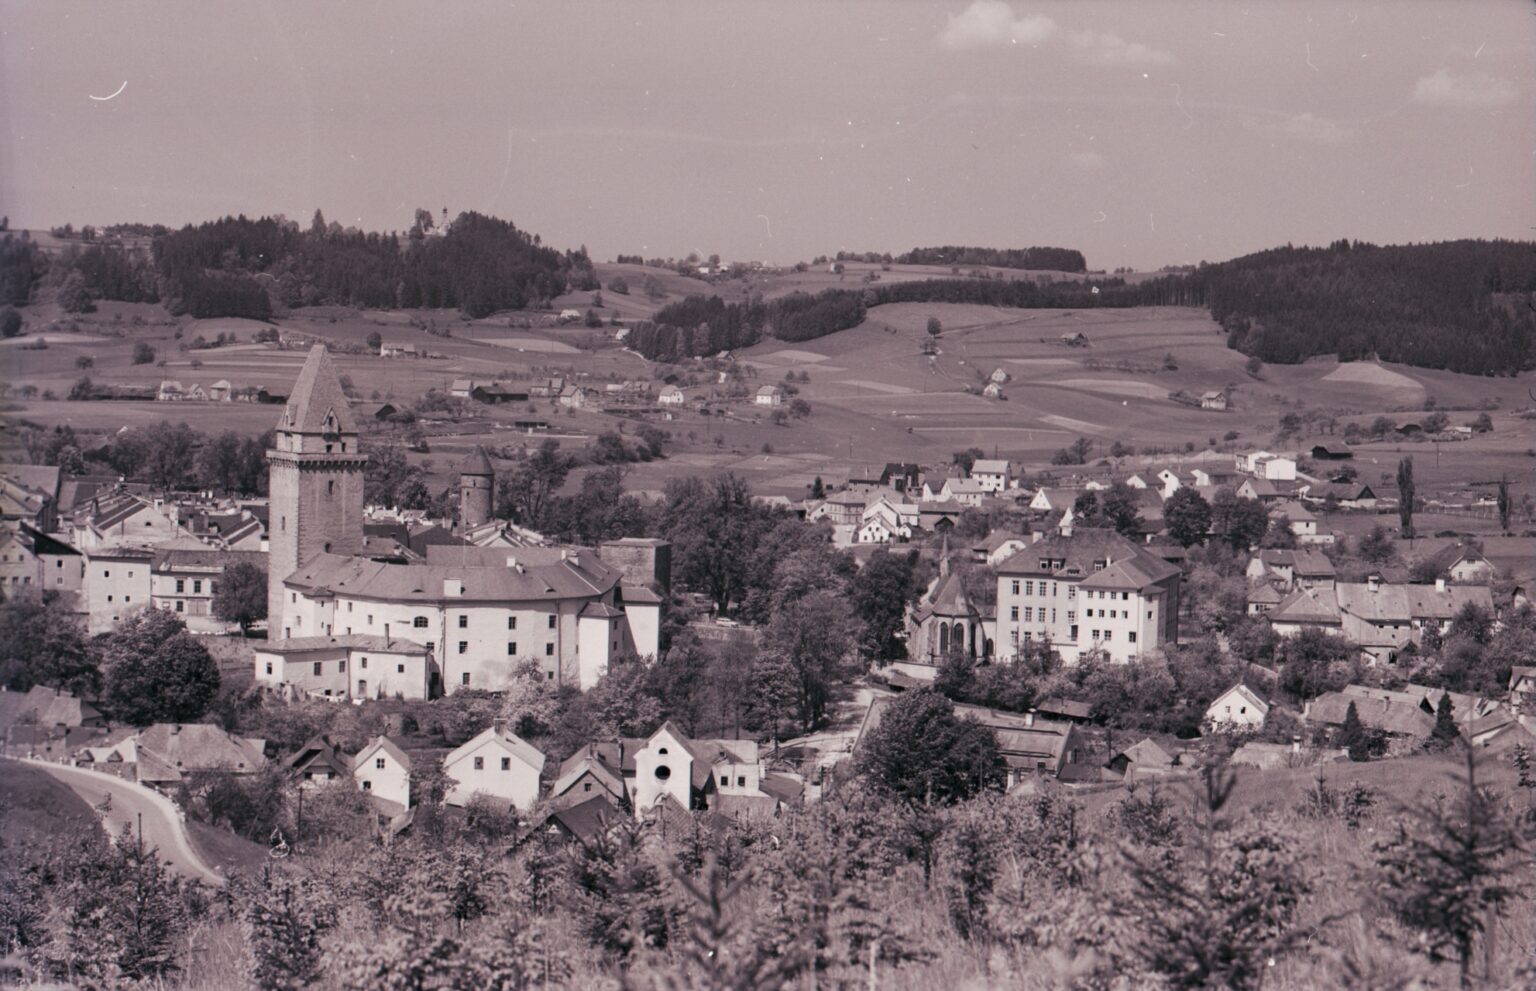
x=477, y=489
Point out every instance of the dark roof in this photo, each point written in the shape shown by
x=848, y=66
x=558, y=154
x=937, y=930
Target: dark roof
x=315, y=395
x=1109, y=559
x=585, y=820
x=477, y=462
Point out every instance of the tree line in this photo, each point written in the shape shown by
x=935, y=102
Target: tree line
x=243, y=267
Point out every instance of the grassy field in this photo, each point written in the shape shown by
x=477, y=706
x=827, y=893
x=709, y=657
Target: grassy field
x=36, y=808
x=875, y=396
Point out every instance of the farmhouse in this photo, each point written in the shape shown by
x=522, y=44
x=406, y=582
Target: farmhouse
x=382, y=771
x=1213, y=400
x=318, y=762
x=769, y=395
x=398, y=349
x=220, y=391
x=573, y=396
x=1331, y=452
x=992, y=390
x=671, y=395
x=499, y=765
x=350, y=666
x=170, y=391
x=1238, y=708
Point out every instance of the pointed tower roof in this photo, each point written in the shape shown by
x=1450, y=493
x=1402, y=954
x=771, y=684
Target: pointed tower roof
x=477, y=462
x=316, y=397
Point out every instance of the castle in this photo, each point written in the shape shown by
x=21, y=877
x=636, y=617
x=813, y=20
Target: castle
x=345, y=625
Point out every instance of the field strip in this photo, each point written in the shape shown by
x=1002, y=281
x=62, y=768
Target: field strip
x=1081, y=426
x=1042, y=362
x=792, y=356
x=526, y=344
x=1118, y=387
x=885, y=387
x=1031, y=431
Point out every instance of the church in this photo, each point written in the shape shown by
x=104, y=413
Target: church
x=344, y=625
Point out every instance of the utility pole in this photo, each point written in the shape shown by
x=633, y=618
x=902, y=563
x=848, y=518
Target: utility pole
x=141, y=834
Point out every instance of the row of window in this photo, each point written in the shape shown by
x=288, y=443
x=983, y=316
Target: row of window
x=419, y=622
x=197, y=586
x=506, y=763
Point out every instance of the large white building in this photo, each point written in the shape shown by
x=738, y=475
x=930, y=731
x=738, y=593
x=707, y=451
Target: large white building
x=477, y=611
x=1093, y=590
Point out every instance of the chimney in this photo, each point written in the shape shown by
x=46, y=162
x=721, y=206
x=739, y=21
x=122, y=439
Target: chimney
x=1029, y=718
x=1439, y=584
x=1295, y=744
x=386, y=634
x=1373, y=582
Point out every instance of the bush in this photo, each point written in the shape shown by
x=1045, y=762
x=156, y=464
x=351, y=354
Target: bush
x=10, y=322
x=143, y=354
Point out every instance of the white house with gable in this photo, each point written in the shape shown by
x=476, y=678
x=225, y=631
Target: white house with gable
x=1238, y=708
x=498, y=764
x=383, y=772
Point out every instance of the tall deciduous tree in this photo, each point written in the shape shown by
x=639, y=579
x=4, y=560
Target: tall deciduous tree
x=41, y=643
x=922, y=753
x=1188, y=516
x=242, y=595
x=879, y=594
x=817, y=637
x=155, y=671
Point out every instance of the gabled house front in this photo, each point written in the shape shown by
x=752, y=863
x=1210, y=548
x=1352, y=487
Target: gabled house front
x=498, y=764
x=382, y=771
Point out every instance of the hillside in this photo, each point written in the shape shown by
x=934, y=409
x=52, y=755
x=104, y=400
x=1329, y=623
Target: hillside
x=1466, y=306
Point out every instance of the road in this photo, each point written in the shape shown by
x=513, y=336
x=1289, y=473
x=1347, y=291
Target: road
x=162, y=821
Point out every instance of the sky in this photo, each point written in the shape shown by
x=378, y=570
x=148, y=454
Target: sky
x=1141, y=132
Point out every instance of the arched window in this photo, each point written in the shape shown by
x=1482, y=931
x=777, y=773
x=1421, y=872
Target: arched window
x=943, y=638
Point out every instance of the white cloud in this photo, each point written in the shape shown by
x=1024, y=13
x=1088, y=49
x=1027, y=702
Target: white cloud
x=1477, y=89
x=1303, y=127
x=992, y=22
x=1310, y=127
x=1110, y=49
x=1088, y=160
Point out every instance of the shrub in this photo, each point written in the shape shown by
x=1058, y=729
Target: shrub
x=10, y=322
x=143, y=354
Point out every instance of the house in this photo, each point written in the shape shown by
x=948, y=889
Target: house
x=349, y=666
x=497, y=764
x=221, y=391
x=1267, y=465
x=594, y=771
x=546, y=388
x=398, y=349
x=992, y=391
x=569, y=315
x=1350, y=495
x=1000, y=376
x=671, y=395
x=1092, y=590
x=32, y=494
x=382, y=771
x=318, y=763
x=1303, y=524
x=378, y=412
x=901, y=476
x=164, y=753
x=1331, y=452
x=841, y=509
x=999, y=546
x=938, y=517
x=1403, y=720
x=1522, y=688
x=1053, y=500
x=769, y=395
x=1262, y=598
x=496, y=394
x=170, y=391
x=461, y=388
x=582, y=821
x=1076, y=339
x=963, y=491
x=573, y=396
x=184, y=576
x=992, y=474
x=673, y=770
x=1291, y=569
x=1384, y=618
x=1306, y=608
x=50, y=709
x=884, y=522
x=1463, y=564
x=1239, y=708
x=117, y=582
x=1141, y=760
x=29, y=557
x=1214, y=399
x=1029, y=746
x=1210, y=478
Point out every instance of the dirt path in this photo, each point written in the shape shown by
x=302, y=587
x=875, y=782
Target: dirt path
x=163, y=828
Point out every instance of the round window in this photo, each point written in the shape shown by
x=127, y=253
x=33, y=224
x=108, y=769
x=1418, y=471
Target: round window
x=663, y=772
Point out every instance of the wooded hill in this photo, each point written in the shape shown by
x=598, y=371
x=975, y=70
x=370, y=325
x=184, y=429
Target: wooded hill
x=239, y=267
x=1464, y=306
